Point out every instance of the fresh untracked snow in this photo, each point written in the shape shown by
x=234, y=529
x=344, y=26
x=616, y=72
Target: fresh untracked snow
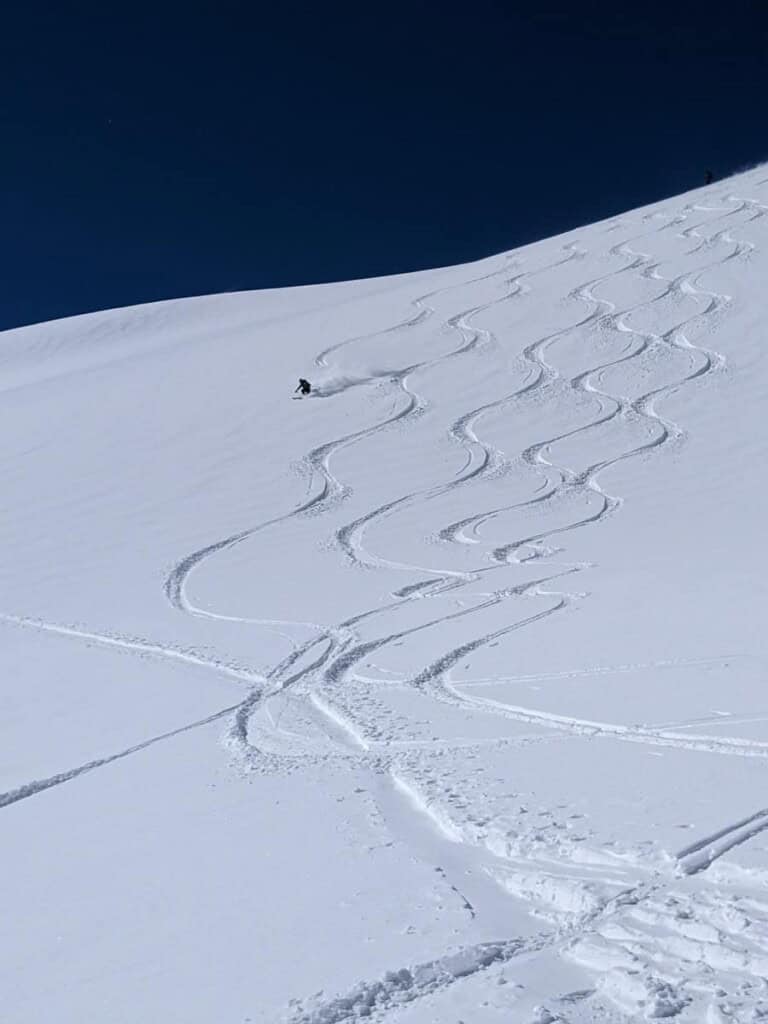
x=438, y=695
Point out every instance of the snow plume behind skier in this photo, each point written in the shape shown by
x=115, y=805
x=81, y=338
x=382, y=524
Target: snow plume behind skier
x=329, y=384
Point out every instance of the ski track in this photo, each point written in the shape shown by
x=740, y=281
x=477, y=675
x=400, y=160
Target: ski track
x=40, y=785
x=701, y=854
x=139, y=646
x=370, y=1000
x=144, y=648
x=373, y=1000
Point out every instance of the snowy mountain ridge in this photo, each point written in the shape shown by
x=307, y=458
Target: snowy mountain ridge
x=435, y=695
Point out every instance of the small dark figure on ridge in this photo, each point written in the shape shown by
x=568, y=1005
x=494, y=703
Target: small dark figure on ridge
x=304, y=386
x=709, y=178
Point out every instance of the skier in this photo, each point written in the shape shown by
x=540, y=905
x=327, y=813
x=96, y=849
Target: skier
x=304, y=386
x=709, y=178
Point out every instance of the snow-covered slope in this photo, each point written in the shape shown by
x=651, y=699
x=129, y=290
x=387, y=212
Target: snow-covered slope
x=436, y=696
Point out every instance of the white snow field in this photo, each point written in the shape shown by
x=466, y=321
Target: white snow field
x=437, y=696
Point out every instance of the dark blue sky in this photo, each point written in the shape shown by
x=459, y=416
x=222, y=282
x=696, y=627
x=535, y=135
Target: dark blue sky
x=183, y=149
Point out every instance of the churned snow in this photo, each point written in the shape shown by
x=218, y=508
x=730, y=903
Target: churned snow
x=436, y=696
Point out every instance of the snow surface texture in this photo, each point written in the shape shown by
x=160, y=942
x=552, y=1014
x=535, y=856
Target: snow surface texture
x=436, y=696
